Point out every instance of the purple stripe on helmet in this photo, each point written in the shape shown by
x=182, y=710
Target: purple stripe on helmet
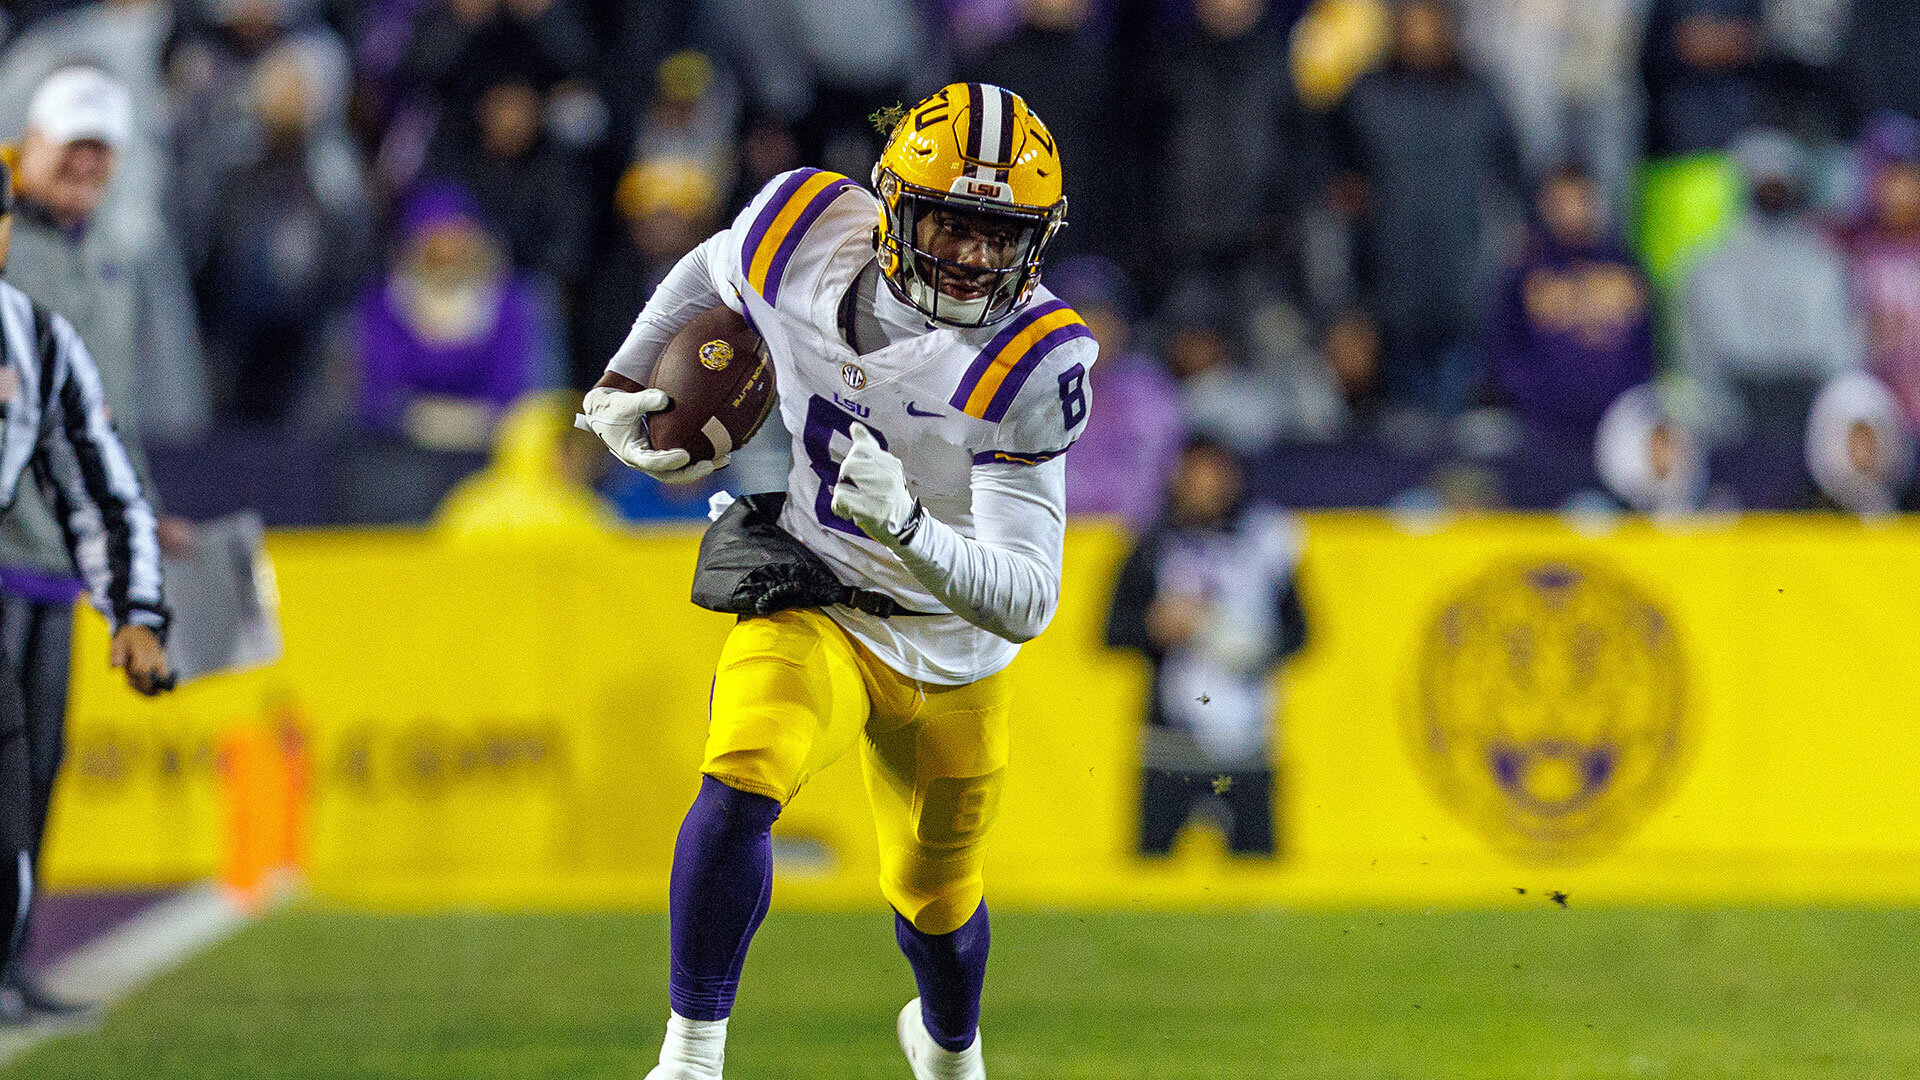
x=985, y=360
x=767, y=213
x=800, y=225
x=974, y=99
x=1003, y=150
x=1010, y=387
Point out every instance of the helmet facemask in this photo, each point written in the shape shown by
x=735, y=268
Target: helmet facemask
x=917, y=275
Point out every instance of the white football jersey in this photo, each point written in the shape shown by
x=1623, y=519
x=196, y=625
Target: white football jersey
x=943, y=402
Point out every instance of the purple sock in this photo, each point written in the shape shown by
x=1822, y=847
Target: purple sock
x=950, y=969
x=722, y=884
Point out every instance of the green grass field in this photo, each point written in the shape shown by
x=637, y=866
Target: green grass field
x=1539, y=995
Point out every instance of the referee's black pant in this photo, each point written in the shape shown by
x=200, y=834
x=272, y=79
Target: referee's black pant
x=36, y=655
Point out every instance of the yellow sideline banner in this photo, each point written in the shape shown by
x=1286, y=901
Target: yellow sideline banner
x=1727, y=712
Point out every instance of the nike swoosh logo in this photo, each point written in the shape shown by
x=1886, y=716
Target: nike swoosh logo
x=911, y=411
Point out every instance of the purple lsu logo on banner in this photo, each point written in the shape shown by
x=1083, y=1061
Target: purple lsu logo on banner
x=1550, y=708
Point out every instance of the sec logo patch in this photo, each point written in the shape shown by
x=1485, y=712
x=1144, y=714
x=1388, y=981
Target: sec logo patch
x=1549, y=708
x=714, y=355
x=853, y=376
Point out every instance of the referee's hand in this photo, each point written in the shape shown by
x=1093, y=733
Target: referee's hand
x=137, y=651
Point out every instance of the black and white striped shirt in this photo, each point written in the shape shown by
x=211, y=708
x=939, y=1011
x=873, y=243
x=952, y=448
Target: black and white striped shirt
x=54, y=419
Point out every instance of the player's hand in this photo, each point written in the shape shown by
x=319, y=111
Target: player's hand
x=616, y=416
x=872, y=489
x=137, y=651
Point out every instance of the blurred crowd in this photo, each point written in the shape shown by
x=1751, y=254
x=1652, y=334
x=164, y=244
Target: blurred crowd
x=1660, y=255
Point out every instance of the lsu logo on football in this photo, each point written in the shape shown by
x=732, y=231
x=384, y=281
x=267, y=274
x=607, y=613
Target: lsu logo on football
x=715, y=355
x=1550, y=708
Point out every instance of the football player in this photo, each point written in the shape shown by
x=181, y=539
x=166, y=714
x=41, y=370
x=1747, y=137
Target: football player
x=930, y=384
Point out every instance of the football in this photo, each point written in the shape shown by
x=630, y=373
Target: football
x=717, y=372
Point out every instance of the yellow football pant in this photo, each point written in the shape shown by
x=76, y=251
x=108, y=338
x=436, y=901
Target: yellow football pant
x=793, y=692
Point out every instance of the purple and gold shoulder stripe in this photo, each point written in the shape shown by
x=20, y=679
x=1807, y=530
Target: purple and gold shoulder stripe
x=1009, y=457
x=995, y=377
x=782, y=222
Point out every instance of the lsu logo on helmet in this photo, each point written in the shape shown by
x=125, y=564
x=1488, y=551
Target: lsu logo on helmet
x=974, y=149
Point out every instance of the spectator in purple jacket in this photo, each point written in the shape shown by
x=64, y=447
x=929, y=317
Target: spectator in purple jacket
x=452, y=334
x=1571, y=327
x=1128, y=449
x=1883, y=257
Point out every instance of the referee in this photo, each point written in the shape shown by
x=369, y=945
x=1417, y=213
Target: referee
x=70, y=257
x=54, y=420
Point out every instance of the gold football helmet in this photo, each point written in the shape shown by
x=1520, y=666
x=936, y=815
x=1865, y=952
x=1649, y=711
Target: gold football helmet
x=975, y=153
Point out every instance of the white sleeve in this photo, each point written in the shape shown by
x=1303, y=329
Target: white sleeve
x=706, y=277
x=1005, y=579
x=691, y=288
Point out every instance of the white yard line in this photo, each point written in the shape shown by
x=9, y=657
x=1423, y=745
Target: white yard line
x=109, y=968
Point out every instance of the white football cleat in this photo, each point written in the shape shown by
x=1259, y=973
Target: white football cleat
x=928, y=1059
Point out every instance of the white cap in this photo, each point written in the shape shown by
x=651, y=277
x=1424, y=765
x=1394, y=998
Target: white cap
x=81, y=103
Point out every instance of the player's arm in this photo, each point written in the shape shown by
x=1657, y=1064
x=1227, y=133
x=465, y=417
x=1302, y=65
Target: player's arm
x=619, y=403
x=689, y=289
x=1005, y=579
x=109, y=526
x=702, y=280
x=706, y=277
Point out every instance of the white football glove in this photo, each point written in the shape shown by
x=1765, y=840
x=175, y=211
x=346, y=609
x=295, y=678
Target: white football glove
x=615, y=416
x=872, y=491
